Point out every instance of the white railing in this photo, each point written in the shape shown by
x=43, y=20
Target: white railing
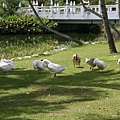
x=71, y=12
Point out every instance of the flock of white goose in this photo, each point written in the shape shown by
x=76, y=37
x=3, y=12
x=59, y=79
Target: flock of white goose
x=8, y=65
x=42, y=64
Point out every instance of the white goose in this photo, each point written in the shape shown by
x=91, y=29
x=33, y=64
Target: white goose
x=55, y=68
x=38, y=64
x=90, y=62
x=100, y=64
x=10, y=62
x=118, y=62
x=5, y=67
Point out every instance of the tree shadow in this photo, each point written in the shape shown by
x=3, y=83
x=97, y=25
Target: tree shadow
x=88, y=79
x=76, y=88
x=20, y=78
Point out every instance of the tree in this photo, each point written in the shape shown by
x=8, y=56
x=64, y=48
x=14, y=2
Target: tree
x=107, y=24
x=10, y=7
x=119, y=10
x=52, y=30
x=110, y=40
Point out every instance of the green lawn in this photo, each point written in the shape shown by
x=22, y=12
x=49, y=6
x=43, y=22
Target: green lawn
x=75, y=94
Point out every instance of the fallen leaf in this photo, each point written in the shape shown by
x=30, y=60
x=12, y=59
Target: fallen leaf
x=27, y=93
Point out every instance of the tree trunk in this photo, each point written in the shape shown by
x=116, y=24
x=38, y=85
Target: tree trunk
x=52, y=30
x=119, y=9
x=111, y=44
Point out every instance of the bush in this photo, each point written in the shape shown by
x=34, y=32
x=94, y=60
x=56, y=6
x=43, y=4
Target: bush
x=95, y=2
x=23, y=25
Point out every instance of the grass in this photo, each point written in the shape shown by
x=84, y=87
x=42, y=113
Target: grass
x=75, y=94
x=20, y=46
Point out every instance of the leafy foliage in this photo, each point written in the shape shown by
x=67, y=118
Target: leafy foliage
x=62, y=2
x=10, y=6
x=106, y=1
x=23, y=25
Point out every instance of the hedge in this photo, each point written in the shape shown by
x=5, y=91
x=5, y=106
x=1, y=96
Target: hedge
x=23, y=25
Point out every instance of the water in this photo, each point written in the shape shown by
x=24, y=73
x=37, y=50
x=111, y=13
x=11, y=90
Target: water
x=26, y=38
x=45, y=37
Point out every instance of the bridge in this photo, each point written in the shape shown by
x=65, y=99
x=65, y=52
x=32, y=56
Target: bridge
x=72, y=13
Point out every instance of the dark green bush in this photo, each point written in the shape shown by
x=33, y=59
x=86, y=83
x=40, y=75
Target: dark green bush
x=95, y=2
x=23, y=25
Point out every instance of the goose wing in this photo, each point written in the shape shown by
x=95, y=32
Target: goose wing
x=56, y=68
x=5, y=66
x=38, y=64
x=10, y=62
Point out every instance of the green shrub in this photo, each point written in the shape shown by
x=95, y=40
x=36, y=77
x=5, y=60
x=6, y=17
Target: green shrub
x=23, y=25
x=110, y=1
x=106, y=1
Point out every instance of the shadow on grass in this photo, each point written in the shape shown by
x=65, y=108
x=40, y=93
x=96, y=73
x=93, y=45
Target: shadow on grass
x=96, y=117
x=20, y=78
x=87, y=79
x=79, y=87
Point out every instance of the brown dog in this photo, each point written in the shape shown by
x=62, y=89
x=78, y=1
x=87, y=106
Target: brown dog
x=76, y=60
